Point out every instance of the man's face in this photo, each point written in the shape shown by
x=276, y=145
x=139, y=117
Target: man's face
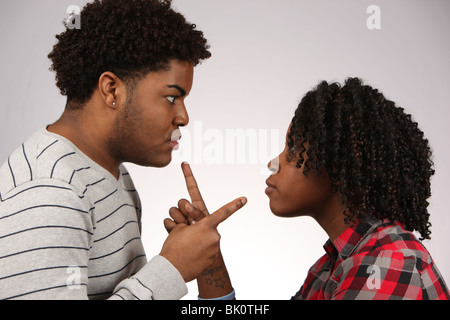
x=146, y=125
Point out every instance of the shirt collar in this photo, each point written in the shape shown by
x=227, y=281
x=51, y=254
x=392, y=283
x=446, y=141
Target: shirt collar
x=346, y=243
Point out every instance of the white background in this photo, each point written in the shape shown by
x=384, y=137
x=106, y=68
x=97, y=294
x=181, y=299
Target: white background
x=266, y=56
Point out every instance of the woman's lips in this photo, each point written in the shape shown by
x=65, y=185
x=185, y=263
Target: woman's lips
x=269, y=190
x=270, y=187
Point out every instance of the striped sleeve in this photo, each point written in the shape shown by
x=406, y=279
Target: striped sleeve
x=157, y=280
x=45, y=235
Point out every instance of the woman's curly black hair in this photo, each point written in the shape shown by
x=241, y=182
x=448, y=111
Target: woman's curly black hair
x=374, y=153
x=126, y=37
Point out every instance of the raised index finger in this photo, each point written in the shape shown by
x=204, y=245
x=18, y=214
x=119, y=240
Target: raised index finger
x=193, y=190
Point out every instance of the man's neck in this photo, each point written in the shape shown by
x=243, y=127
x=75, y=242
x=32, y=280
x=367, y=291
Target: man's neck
x=88, y=136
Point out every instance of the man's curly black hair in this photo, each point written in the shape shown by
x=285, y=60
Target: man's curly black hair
x=374, y=153
x=127, y=37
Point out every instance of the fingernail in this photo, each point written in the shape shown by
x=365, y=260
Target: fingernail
x=244, y=201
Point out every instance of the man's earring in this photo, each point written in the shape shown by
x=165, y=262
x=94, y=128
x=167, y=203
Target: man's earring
x=114, y=103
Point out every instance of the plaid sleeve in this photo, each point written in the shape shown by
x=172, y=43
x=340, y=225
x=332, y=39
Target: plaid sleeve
x=388, y=275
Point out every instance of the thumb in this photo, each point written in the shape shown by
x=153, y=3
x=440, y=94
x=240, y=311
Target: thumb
x=226, y=211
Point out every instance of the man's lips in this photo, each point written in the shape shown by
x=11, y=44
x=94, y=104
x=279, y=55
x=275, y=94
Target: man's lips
x=174, y=145
x=175, y=137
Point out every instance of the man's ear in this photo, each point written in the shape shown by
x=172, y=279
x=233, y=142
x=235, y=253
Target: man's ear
x=112, y=89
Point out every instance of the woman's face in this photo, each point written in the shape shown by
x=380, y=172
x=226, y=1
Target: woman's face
x=292, y=193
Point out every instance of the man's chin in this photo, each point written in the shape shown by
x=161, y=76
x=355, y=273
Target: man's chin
x=155, y=163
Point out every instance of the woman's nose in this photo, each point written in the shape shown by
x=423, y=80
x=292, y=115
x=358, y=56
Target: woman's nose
x=274, y=165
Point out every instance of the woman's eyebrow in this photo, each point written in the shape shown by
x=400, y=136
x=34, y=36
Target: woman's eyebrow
x=182, y=91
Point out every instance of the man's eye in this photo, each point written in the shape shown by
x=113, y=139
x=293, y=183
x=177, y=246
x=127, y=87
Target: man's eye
x=171, y=99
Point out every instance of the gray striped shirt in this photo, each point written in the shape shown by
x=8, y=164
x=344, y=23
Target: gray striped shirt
x=70, y=230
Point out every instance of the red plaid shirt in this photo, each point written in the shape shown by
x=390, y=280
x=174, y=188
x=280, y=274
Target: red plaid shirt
x=374, y=260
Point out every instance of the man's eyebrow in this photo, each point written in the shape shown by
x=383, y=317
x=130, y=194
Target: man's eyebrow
x=182, y=91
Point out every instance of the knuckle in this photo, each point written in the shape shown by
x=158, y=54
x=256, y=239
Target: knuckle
x=192, y=187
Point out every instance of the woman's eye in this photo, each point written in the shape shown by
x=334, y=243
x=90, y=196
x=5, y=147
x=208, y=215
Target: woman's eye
x=171, y=99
